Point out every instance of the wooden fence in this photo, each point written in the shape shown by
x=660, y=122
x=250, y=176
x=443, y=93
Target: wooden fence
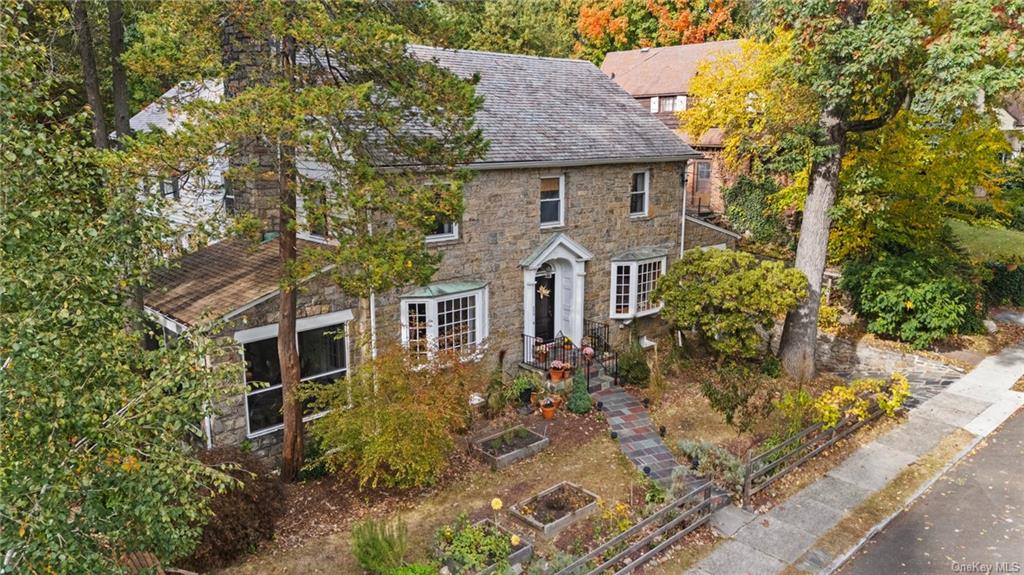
x=682, y=516
x=765, y=468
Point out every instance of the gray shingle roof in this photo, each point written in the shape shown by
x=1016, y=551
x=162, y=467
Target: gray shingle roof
x=552, y=110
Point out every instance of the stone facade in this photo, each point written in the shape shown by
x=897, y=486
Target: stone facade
x=703, y=234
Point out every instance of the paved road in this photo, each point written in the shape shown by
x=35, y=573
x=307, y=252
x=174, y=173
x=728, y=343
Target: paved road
x=970, y=521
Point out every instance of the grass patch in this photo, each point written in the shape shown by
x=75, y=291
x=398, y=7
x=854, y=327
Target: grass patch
x=856, y=524
x=989, y=244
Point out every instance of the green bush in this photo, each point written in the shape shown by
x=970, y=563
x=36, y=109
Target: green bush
x=797, y=410
x=1006, y=286
x=913, y=298
x=715, y=463
x=579, y=397
x=379, y=546
x=746, y=204
x=739, y=393
x=728, y=296
x=415, y=569
x=633, y=368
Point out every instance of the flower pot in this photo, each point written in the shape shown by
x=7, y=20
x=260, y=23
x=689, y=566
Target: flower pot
x=548, y=411
x=567, y=347
x=540, y=355
x=534, y=397
x=559, y=400
x=556, y=374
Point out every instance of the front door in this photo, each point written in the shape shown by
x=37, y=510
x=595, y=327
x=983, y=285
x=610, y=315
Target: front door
x=544, y=308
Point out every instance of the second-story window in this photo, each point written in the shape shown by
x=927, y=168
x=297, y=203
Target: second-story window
x=638, y=189
x=552, y=202
x=666, y=104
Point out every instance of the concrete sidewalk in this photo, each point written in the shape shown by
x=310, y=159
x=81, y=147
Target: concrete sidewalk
x=786, y=535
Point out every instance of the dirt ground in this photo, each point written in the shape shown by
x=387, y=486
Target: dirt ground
x=581, y=452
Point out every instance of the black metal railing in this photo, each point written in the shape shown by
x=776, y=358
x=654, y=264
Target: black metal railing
x=596, y=335
x=540, y=353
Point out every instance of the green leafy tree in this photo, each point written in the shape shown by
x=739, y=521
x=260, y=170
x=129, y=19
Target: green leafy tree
x=341, y=91
x=851, y=68
x=95, y=454
x=534, y=27
x=726, y=296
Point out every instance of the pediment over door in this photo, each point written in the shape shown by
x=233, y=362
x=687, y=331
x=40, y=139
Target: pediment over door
x=557, y=246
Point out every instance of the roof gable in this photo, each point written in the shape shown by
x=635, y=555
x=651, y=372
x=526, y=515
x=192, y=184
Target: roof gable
x=662, y=71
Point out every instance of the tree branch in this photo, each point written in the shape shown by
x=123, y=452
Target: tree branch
x=901, y=97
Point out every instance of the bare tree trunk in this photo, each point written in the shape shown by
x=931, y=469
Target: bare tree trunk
x=80, y=19
x=800, y=334
x=287, y=342
x=115, y=20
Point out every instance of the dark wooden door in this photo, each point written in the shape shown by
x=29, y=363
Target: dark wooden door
x=544, y=308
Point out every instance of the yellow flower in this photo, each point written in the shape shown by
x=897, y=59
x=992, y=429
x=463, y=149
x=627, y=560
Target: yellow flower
x=496, y=504
x=515, y=540
x=908, y=304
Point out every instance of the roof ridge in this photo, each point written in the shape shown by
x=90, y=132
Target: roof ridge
x=507, y=54
x=663, y=48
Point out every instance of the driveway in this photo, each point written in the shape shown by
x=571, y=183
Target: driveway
x=970, y=521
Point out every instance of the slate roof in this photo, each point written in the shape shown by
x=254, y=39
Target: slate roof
x=554, y=110
x=662, y=71
x=216, y=280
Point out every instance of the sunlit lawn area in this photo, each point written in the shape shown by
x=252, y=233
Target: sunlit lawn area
x=990, y=244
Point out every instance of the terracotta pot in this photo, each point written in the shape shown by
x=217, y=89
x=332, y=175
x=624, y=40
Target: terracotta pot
x=559, y=400
x=556, y=374
x=548, y=411
x=534, y=398
x=567, y=347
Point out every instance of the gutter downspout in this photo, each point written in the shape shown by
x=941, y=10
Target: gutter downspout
x=682, y=223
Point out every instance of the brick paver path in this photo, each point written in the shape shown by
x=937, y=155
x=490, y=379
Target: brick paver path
x=637, y=436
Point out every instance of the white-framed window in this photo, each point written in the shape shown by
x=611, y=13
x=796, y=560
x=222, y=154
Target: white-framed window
x=639, y=187
x=323, y=358
x=445, y=230
x=552, y=202
x=632, y=284
x=456, y=322
x=667, y=104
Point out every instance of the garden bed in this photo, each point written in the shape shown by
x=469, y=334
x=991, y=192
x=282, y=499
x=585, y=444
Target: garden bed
x=554, y=509
x=509, y=446
x=520, y=552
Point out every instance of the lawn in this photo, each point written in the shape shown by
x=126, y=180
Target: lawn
x=990, y=244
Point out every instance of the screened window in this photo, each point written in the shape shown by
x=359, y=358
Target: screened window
x=638, y=192
x=632, y=285
x=445, y=323
x=322, y=359
x=552, y=197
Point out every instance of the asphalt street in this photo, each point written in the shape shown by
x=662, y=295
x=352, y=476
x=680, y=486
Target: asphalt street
x=970, y=521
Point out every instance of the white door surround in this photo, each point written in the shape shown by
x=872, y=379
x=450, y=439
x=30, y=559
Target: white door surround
x=567, y=259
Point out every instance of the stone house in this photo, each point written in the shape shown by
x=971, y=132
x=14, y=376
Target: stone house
x=572, y=216
x=659, y=80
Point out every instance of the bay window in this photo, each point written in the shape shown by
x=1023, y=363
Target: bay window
x=444, y=317
x=633, y=282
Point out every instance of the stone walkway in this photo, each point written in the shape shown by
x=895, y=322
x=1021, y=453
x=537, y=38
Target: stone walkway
x=786, y=536
x=926, y=381
x=630, y=421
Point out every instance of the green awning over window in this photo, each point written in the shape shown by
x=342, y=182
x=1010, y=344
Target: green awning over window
x=641, y=253
x=444, y=288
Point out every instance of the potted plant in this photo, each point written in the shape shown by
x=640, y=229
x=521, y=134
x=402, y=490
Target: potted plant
x=540, y=352
x=558, y=369
x=547, y=408
x=559, y=400
x=588, y=352
x=567, y=344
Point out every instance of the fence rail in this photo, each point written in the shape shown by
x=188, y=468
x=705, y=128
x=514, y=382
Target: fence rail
x=693, y=509
x=763, y=469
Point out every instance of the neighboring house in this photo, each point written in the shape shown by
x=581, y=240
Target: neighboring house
x=196, y=200
x=659, y=80
x=1011, y=122
x=574, y=213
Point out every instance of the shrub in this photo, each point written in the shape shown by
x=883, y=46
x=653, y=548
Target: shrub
x=828, y=316
x=1006, y=286
x=714, y=462
x=472, y=547
x=579, y=397
x=415, y=569
x=391, y=421
x=912, y=298
x=740, y=394
x=633, y=368
x=379, y=546
x=727, y=296
x=797, y=410
x=848, y=401
x=242, y=517
x=520, y=387
x=746, y=204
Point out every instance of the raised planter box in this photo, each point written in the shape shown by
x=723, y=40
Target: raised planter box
x=520, y=555
x=509, y=446
x=555, y=508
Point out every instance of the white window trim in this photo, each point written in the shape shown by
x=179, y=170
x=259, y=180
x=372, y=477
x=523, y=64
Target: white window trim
x=633, y=285
x=561, y=204
x=270, y=331
x=482, y=325
x=435, y=238
x=646, y=192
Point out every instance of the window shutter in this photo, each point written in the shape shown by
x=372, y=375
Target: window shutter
x=654, y=104
x=680, y=103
